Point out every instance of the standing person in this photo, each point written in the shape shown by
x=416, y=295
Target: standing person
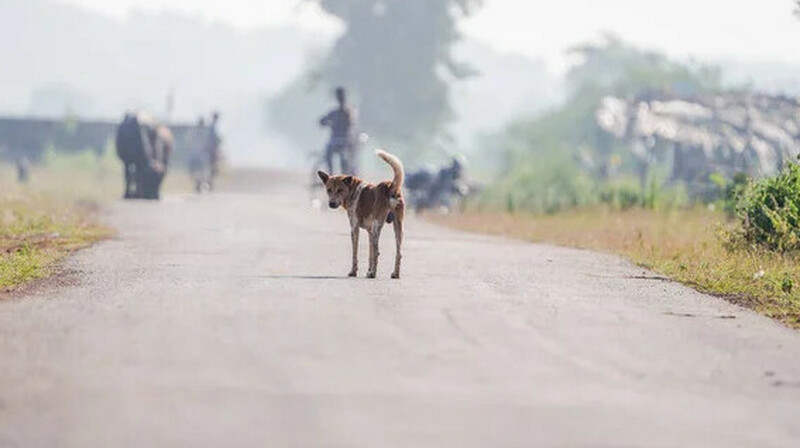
x=23, y=169
x=213, y=148
x=341, y=121
x=199, y=160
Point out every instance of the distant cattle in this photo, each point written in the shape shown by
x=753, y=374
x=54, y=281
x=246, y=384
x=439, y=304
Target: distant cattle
x=144, y=148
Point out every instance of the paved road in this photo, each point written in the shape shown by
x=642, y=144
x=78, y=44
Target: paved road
x=226, y=320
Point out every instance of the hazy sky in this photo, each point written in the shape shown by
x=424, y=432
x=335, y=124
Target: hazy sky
x=748, y=29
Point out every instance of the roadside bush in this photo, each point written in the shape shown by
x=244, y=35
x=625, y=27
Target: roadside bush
x=554, y=184
x=547, y=185
x=729, y=192
x=770, y=211
x=622, y=195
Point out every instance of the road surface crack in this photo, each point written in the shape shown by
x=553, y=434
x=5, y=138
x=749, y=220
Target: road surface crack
x=459, y=329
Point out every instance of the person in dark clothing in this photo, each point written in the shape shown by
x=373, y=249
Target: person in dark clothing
x=341, y=121
x=213, y=144
x=200, y=159
x=213, y=150
x=23, y=169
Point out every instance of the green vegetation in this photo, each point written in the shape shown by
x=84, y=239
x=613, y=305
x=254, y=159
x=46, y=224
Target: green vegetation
x=52, y=215
x=56, y=211
x=36, y=232
x=770, y=211
x=567, y=182
x=563, y=160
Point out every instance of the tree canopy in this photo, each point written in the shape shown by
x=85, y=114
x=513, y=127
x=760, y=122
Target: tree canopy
x=396, y=58
x=614, y=67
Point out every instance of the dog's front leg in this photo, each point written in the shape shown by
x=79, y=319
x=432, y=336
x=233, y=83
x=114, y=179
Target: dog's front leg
x=374, y=240
x=354, y=237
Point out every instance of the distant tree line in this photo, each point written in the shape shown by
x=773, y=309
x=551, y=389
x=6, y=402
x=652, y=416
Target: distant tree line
x=562, y=158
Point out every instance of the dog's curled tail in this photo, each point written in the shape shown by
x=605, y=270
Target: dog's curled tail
x=397, y=167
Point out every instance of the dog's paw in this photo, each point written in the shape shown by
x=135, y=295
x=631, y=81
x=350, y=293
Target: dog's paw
x=370, y=275
x=353, y=273
x=395, y=275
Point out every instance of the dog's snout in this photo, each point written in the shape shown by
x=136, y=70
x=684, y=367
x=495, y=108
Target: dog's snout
x=333, y=204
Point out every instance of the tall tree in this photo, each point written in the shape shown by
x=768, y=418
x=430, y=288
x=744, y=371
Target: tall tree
x=396, y=55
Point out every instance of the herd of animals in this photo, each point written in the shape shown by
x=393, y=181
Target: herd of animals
x=145, y=147
x=148, y=149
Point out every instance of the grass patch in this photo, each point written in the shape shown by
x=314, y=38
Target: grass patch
x=685, y=245
x=50, y=217
x=57, y=211
x=36, y=233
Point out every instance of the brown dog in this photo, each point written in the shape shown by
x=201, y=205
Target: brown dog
x=369, y=206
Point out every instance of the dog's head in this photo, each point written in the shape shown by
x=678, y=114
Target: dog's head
x=337, y=187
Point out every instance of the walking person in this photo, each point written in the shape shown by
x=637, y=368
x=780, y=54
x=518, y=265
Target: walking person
x=341, y=122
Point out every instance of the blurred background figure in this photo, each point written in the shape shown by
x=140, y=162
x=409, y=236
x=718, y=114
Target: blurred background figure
x=199, y=161
x=144, y=148
x=205, y=158
x=214, y=146
x=431, y=189
x=23, y=169
x=342, y=143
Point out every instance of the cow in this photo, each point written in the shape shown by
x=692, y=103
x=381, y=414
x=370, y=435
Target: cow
x=144, y=148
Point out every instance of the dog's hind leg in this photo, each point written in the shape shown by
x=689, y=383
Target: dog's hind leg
x=354, y=237
x=374, y=240
x=398, y=238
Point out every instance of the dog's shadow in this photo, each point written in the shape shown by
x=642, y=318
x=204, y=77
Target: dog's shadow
x=303, y=277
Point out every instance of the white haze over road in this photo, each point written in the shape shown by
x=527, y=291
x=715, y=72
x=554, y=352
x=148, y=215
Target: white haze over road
x=711, y=29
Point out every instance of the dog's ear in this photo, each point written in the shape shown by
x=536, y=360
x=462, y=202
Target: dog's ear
x=323, y=176
x=348, y=181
